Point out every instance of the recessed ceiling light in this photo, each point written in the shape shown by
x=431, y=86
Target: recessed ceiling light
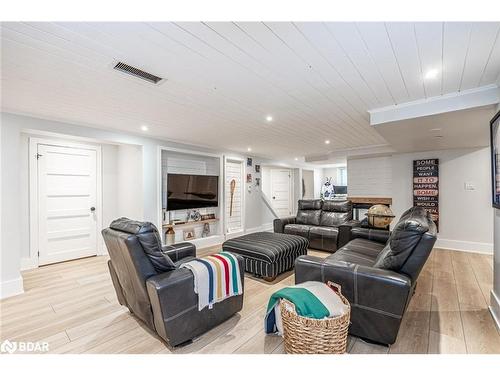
x=144, y=128
x=327, y=142
x=435, y=130
x=249, y=149
x=431, y=74
x=438, y=136
x=269, y=118
x=296, y=159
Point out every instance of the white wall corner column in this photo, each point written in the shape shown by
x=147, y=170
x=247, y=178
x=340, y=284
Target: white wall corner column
x=11, y=282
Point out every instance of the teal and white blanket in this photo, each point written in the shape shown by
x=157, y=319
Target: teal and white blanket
x=312, y=299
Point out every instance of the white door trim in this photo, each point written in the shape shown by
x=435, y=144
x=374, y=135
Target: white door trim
x=32, y=261
x=243, y=194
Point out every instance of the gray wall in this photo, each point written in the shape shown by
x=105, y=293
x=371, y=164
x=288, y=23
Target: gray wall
x=466, y=217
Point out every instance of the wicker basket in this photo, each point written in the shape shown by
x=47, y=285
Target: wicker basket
x=314, y=336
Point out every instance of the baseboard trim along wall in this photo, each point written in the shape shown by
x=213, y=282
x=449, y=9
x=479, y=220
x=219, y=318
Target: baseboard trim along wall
x=11, y=288
x=474, y=247
x=495, y=308
x=29, y=263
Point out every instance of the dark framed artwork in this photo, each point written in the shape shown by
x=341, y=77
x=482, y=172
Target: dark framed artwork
x=249, y=162
x=495, y=159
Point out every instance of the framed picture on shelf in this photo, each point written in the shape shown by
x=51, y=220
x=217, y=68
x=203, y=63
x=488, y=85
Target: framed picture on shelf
x=249, y=162
x=249, y=178
x=188, y=234
x=257, y=168
x=495, y=159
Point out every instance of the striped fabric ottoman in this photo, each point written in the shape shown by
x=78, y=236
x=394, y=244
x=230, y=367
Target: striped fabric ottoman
x=268, y=254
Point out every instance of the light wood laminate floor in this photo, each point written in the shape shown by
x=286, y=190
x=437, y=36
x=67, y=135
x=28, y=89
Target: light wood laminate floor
x=73, y=307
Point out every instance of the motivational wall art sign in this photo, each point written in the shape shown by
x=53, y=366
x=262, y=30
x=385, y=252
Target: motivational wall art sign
x=426, y=186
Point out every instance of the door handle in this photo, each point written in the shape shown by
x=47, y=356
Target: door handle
x=92, y=209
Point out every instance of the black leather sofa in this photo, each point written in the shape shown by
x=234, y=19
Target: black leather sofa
x=326, y=224
x=378, y=271
x=148, y=280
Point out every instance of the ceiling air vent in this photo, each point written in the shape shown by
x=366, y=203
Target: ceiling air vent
x=122, y=67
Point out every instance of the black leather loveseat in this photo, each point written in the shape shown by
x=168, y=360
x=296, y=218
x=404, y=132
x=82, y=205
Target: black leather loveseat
x=326, y=224
x=149, y=282
x=378, y=271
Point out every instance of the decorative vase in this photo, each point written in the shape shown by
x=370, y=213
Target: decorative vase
x=170, y=235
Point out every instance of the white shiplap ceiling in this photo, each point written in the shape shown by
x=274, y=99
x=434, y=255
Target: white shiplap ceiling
x=317, y=80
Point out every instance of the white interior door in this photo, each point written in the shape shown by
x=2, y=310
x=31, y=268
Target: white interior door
x=281, y=192
x=235, y=201
x=67, y=200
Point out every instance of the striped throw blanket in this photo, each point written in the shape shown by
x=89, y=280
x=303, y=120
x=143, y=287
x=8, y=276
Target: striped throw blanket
x=312, y=299
x=216, y=277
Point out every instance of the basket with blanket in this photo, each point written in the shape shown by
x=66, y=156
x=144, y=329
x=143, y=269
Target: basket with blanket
x=313, y=318
x=216, y=277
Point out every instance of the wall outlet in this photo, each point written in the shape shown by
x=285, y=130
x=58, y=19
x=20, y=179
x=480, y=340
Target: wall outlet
x=469, y=186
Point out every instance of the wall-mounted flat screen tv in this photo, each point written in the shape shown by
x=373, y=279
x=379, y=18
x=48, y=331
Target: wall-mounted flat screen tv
x=495, y=159
x=187, y=191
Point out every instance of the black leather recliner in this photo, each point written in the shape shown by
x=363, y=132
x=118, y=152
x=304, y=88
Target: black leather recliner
x=148, y=280
x=378, y=271
x=326, y=224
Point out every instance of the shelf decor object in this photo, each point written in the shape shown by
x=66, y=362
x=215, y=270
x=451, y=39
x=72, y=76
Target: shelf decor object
x=495, y=159
x=188, y=234
x=170, y=235
x=206, y=230
x=380, y=216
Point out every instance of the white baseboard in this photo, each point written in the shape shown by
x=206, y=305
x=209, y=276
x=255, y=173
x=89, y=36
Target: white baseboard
x=29, y=263
x=11, y=288
x=474, y=247
x=495, y=308
x=261, y=228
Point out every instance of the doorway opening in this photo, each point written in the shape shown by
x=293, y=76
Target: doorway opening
x=65, y=200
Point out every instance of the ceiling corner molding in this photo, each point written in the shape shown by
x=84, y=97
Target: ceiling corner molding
x=478, y=97
x=350, y=153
